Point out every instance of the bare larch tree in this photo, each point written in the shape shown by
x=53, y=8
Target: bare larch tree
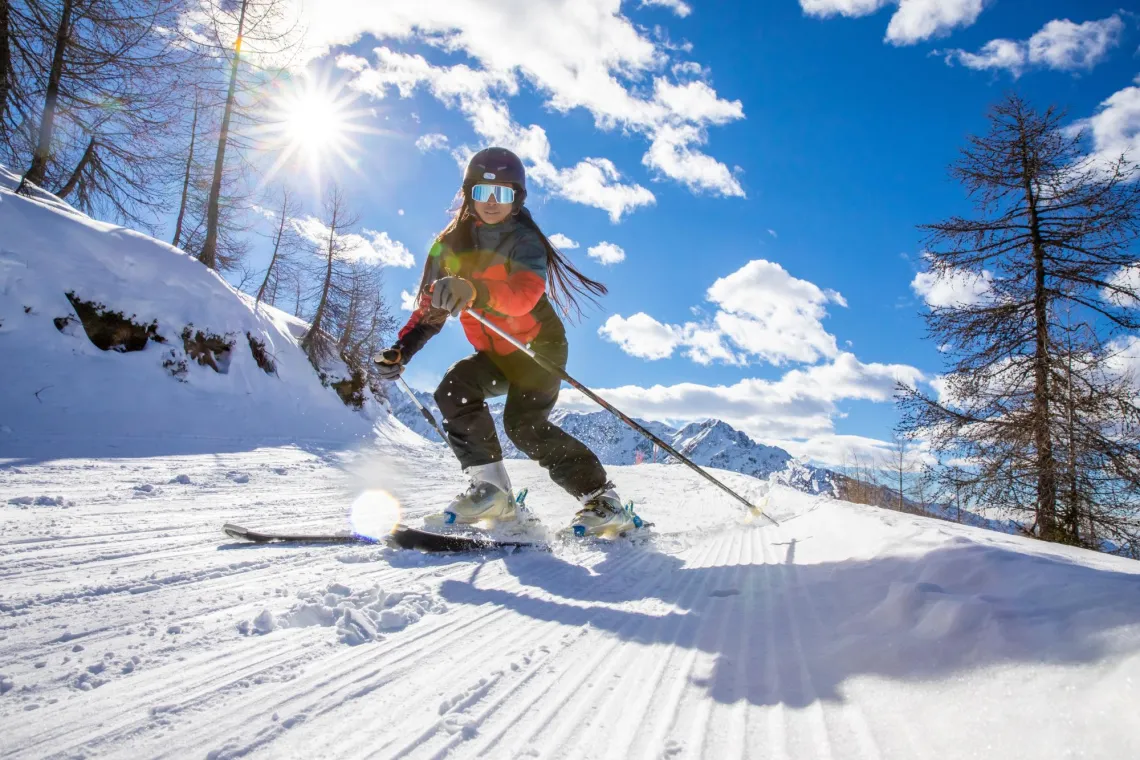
x=286, y=243
x=1035, y=399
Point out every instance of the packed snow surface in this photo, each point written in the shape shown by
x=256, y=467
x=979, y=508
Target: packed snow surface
x=131, y=627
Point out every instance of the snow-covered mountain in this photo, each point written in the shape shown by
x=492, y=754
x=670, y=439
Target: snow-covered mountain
x=711, y=443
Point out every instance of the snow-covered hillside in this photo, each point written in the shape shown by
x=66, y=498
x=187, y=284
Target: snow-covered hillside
x=63, y=393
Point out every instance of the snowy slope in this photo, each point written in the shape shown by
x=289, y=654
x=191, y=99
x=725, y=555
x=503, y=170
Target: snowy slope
x=130, y=627
x=60, y=390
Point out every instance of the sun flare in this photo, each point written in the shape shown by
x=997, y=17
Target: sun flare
x=314, y=123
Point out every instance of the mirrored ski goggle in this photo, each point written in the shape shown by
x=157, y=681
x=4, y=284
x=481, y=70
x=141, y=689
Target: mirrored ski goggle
x=501, y=193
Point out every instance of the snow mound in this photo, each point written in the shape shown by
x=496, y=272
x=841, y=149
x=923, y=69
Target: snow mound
x=106, y=332
x=358, y=616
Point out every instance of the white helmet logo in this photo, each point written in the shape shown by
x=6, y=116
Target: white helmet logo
x=488, y=175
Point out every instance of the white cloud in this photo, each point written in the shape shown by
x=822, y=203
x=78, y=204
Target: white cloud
x=959, y=288
x=918, y=20
x=408, y=300
x=584, y=54
x=1125, y=361
x=800, y=406
x=995, y=54
x=563, y=242
x=914, y=21
x=1115, y=127
x=679, y=7
x=773, y=233
x=1127, y=279
x=642, y=336
x=607, y=253
x=762, y=312
x=372, y=247
x=378, y=247
x=433, y=141
x=689, y=69
x=1060, y=45
x=1063, y=45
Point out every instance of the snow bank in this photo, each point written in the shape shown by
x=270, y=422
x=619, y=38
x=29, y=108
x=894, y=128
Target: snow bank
x=60, y=390
x=358, y=616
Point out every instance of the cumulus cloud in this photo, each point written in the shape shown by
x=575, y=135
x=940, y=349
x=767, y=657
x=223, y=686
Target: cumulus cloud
x=642, y=336
x=761, y=312
x=800, y=406
x=371, y=247
x=434, y=141
x=584, y=55
x=679, y=7
x=1115, y=127
x=408, y=300
x=959, y=288
x=1127, y=279
x=606, y=253
x=914, y=21
x=563, y=242
x=1060, y=45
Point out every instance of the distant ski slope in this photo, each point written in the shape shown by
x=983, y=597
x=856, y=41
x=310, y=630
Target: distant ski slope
x=131, y=627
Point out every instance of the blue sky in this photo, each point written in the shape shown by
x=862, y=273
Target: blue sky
x=789, y=147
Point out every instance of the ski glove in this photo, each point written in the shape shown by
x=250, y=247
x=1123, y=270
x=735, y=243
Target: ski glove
x=453, y=294
x=389, y=364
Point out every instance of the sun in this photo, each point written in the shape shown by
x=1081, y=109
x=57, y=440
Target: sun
x=312, y=124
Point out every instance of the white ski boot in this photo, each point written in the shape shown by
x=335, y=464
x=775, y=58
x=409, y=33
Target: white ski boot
x=488, y=498
x=603, y=514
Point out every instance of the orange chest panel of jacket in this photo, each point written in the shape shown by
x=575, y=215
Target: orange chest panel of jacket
x=509, y=301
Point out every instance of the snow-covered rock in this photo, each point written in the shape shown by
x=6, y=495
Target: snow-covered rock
x=61, y=389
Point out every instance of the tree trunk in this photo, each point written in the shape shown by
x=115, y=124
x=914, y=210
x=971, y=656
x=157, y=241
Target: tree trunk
x=312, y=338
x=38, y=169
x=73, y=180
x=1045, y=464
x=209, y=254
x=276, y=248
x=350, y=319
x=5, y=57
x=186, y=177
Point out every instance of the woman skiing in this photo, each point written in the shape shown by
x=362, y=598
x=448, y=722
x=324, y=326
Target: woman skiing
x=493, y=259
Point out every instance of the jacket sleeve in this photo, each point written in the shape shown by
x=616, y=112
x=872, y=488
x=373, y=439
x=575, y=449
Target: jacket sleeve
x=514, y=287
x=425, y=321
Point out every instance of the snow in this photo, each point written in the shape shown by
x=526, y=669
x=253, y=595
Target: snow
x=135, y=628
x=62, y=394
x=131, y=626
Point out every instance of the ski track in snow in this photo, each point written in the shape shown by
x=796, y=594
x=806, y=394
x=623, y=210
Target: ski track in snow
x=128, y=625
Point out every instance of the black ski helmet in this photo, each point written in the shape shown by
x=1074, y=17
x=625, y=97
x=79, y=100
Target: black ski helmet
x=496, y=165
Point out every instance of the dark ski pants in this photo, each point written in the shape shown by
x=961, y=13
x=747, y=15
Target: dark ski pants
x=531, y=393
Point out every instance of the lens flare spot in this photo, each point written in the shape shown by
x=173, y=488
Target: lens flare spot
x=375, y=513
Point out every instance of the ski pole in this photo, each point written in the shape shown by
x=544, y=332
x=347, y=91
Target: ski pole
x=423, y=409
x=555, y=369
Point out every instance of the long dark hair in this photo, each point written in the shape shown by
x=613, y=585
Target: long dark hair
x=565, y=283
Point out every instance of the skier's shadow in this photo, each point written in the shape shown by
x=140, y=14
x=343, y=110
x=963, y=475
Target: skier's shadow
x=789, y=633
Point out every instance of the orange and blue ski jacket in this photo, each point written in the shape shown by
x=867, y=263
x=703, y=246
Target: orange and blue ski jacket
x=506, y=263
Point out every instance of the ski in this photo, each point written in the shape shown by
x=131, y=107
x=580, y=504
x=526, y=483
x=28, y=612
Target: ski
x=401, y=537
